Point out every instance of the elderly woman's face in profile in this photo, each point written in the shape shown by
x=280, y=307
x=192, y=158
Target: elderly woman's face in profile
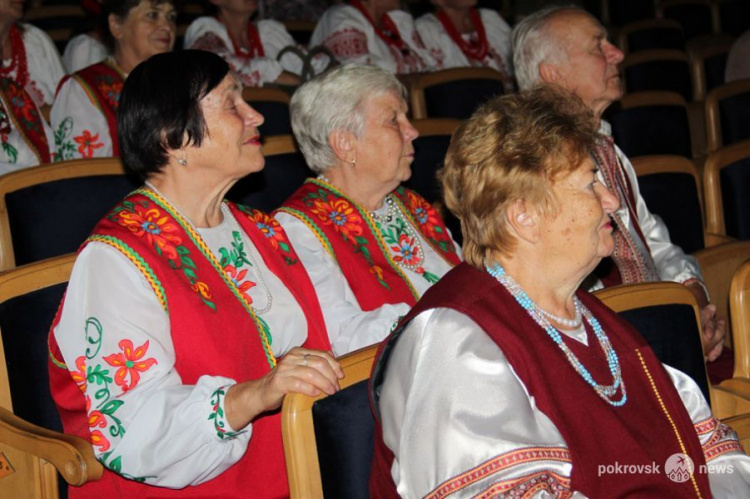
x=384, y=150
x=231, y=143
x=581, y=229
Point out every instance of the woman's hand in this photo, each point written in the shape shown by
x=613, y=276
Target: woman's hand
x=714, y=331
x=299, y=371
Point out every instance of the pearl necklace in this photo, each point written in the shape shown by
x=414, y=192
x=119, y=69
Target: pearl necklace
x=574, y=323
x=393, y=213
x=606, y=392
x=227, y=215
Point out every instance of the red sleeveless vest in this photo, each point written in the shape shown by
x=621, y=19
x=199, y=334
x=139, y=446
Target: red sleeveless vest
x=214, y=332
x=350, y=236
x=649, y=428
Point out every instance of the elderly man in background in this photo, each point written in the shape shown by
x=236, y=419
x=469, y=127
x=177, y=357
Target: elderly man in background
x=567, y=47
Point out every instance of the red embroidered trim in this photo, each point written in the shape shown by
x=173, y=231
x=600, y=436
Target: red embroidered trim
x=498, y=464
x=389, y=34
x=706, y=426
x=25, y=114
x=256, y=46
x=17, y=58
x=722, y=448
x=476, y=50
x=348, y=42
x=527, y=485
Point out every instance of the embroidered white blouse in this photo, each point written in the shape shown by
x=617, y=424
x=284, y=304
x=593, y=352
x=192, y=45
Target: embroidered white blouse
x=43, y=62
x=671, y=262
x=451, y=402
x=83, y=50
x=444, y=49
x=352, y=39
x=81, y=129
x=208, y=33
x=15, y=153
x=350, y=327
x=169, y=436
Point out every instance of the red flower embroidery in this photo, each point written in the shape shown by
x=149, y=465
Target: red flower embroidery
x=424, y=214
x=79, y=376
x=238, y=277
x=97, y=419
x=407, y=251
x=129, y=363
x=269, y=227
x=99, y=440
x=342, y=215
x=155, y=226
x=202, y=289
x=88, y=143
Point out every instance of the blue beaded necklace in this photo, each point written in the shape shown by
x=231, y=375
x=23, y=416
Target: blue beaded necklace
x=606, y=392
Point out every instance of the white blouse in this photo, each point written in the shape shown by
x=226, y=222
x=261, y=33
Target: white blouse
x=444, y=49
x=350, y=327
x=44, y=65
x=450, y=402
x=208, y=33
x=169, y=436
x=83, y=50
x=352, y=39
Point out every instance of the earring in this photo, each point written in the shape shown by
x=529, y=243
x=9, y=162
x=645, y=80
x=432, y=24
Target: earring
x=182, y=162
x=354, y=162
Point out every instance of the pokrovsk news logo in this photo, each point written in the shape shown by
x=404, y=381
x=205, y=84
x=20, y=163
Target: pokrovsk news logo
x=678, y=468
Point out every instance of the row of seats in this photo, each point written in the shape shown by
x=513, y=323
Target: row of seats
x=327, y=440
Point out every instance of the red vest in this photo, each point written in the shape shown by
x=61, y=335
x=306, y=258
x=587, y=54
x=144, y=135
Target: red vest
x=103, y=83
x=350, y=236
x=23, y=113
x=596, y=433
x=214, y=332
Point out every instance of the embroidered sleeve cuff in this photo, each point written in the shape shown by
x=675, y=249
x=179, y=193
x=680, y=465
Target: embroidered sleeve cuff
x=217, y=415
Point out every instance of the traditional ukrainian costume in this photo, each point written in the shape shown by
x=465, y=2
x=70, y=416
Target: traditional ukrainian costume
x=84, y=115
x=259, y=64
x=353, y=37
x=479, y=396
x=160, y=319
x=83, y=50
x=367, y=268
x=25, y=136
x=488, y=46
x=34, y=63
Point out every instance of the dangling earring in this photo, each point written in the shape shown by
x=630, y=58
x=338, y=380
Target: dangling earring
x=183, y=160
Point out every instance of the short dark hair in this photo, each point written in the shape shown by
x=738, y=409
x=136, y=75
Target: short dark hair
x=160, y=109
x=121, y=9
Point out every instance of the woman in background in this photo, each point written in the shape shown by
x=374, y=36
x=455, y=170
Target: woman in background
x=250, y=48
x=84, y=115
x=87, y=48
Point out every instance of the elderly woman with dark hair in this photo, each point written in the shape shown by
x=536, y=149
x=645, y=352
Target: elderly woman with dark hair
x=181, y=329
x=506, y=379
x=84, y=114
x=371, y=247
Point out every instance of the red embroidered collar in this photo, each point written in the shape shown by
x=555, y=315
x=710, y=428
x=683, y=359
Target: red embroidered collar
x=474, y=50
x=389, y=34
x=256, y=46
x=17, y=58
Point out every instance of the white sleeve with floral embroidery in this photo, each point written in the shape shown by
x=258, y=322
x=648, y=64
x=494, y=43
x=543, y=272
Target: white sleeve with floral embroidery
x=44, y=64
x=208, y=33
x=81, y=130
x=164, y=430
x=350, y=327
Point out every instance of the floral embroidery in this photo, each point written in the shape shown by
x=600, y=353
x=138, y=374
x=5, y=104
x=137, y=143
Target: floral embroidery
x=111, y=89
x=79, y=376
x=232, y=261
x=218, y=417
x=427, y=219
x=130, y=364
x=88, y=143
x=346, y=221
x=64, y=146
x=342, y=215
x=406, y=249
x=237, y=277
x=273, y=231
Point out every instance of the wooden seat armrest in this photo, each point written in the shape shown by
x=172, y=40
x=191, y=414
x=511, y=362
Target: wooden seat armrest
x=72, y=456
x=716, y=239
x=730, y=398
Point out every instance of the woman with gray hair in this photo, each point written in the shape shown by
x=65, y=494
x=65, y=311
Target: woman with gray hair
x=371, y=247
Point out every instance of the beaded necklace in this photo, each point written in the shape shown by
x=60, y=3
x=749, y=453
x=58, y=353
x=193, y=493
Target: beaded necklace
x=389, y=34
x=228, y=215
x=475, y=50
x=606, y=392
x=17, y=58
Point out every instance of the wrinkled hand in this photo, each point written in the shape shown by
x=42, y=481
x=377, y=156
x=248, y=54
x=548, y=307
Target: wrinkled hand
x=299, y=371
x=714, y=331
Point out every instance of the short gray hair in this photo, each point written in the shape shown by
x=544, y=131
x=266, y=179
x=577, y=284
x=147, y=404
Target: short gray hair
x=333, y=101
x=533, y=45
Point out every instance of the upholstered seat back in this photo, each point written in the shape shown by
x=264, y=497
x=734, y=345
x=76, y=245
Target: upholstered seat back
x=459, y=99
x=654, y=129
x=669, y=75
x=735, y=195
x=734, y=113
x=344, y=428
x=656, y=38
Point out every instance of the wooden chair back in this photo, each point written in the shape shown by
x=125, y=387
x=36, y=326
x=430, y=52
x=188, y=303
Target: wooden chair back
x=453, y=93
x=308, y=476
x=739, y=311
x=707, y=66
x=34, y=453
x=726, y=179
x=657, y=69
x=697, y=17
x=273, y=104
x=651, y=34
x=49, y=210
x=728, y=114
